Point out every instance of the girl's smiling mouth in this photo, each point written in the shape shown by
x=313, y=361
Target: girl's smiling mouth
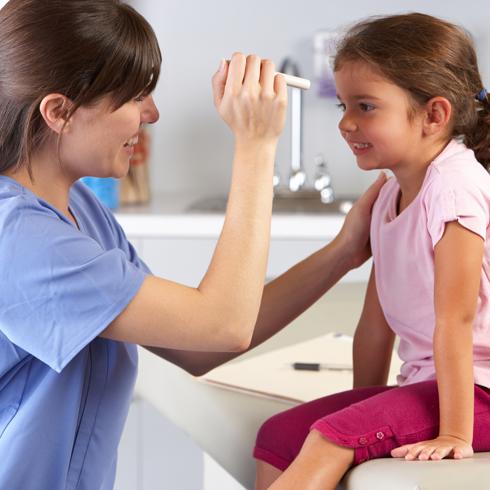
x=360, y=148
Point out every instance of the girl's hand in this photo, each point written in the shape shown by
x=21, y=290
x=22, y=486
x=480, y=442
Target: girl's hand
x=354, y=235
x=435, y=449
x=251, y=98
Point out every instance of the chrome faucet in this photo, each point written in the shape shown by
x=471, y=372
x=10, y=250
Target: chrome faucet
x=297, y=177
x=295, y=187
x=323, y=180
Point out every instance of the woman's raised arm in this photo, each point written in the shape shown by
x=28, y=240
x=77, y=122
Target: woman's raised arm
x=221, y=313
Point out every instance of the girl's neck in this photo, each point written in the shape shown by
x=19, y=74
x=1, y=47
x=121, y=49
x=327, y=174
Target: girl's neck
x=411, y=175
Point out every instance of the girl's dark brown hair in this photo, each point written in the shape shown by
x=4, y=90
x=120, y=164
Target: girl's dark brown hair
x=83, y=49
x=427, y=57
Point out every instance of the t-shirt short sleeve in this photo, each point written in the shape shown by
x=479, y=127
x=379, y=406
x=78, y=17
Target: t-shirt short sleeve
x=64, y=288
x=464, y=203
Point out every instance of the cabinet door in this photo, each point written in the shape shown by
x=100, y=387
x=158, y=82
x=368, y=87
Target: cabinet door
x=186, y=260
x=183, y=260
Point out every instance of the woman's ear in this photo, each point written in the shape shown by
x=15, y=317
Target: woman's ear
x=54, y=109
x=438, y=111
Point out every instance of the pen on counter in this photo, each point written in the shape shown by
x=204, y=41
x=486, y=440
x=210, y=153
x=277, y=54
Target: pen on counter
x=292, y=81
x=320, y=366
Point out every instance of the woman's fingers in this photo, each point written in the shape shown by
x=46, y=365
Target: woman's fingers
x=219, y=82
x=236, y=73
x=252, y=100
x=267, y=75
x=371, y=194
x=252, y=72
x=281, y=88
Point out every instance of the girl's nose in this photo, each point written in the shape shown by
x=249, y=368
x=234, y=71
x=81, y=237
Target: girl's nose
x=149, y=111
x=347, y=124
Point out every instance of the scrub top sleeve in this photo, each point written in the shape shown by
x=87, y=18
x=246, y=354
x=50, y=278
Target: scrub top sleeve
x=64, y=287
x=465, y=204
x=118, y=232
x=127, y=246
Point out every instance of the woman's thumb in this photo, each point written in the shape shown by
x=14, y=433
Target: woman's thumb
x=372, y=193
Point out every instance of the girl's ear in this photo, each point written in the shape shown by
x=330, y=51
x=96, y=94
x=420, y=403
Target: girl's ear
x=54, y=109
x=437, y=118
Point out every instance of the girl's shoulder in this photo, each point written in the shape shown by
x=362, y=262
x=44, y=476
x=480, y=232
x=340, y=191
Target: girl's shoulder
x=457, y=166
x=456, y=171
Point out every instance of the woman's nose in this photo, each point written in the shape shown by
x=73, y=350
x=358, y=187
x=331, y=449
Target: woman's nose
x=149, y=111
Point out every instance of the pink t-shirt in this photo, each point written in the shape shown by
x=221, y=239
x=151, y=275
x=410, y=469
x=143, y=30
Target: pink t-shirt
x=456, y=187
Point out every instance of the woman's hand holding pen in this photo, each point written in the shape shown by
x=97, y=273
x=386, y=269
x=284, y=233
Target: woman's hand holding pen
x=436, y=449
x=354, y=235
x=251, y=99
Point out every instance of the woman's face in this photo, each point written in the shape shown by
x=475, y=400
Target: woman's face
x=99, y=142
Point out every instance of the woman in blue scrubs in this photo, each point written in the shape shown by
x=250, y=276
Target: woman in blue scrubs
x=76, y=78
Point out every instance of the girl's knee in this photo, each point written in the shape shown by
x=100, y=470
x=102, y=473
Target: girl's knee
x=282, y=436
x=320, y=445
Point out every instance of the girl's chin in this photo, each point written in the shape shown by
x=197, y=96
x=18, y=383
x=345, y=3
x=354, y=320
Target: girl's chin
x=367, y=164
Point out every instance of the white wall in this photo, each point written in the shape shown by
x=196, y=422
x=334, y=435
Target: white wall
x=192, y=148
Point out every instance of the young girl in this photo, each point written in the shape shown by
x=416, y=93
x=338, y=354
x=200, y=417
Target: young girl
x=76, y=78
x=414, y=103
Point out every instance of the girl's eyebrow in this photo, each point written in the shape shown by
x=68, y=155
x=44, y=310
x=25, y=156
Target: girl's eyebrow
x=361, y=96
x=365, y=96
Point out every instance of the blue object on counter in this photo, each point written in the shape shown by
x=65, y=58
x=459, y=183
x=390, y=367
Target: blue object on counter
x=106, y=190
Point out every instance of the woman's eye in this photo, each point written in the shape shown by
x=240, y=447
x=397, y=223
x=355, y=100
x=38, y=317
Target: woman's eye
x=366, y=107
x=140, y=98
x=341, y=106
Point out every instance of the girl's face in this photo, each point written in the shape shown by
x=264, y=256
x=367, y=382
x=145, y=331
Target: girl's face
x=100, y=142
x=376, y=123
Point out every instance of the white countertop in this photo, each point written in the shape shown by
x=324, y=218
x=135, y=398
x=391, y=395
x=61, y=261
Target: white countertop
x=166, y=216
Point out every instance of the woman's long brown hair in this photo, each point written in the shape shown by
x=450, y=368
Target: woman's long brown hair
x=83, y=49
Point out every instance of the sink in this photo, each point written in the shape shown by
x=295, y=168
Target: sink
x=302, y=202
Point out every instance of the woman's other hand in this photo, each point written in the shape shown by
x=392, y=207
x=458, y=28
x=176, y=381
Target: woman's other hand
x=251, y=98
x=354, y=235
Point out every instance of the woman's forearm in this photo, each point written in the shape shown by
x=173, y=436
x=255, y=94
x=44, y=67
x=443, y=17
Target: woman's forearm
x=284, y=299
x=235, y=278
x=294, y=291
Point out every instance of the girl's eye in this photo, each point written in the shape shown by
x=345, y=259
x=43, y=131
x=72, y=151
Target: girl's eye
x=140, y=98
x=341, y=106
x=366, y=107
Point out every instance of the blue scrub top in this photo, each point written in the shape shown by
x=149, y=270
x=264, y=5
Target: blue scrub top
x=64, y=392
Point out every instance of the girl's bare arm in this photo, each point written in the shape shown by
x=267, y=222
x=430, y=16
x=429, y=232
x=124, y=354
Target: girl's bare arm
x=458, y=264
x=373, y=341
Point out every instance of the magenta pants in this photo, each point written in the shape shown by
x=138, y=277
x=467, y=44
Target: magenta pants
x=372, y=421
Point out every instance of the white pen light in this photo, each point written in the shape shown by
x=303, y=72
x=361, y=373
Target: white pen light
x=296, y=82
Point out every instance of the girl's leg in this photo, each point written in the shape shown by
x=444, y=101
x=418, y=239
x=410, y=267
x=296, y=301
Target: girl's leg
x=320, y=465
x=281, y=438
x=363, y=430
x=266, y=475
